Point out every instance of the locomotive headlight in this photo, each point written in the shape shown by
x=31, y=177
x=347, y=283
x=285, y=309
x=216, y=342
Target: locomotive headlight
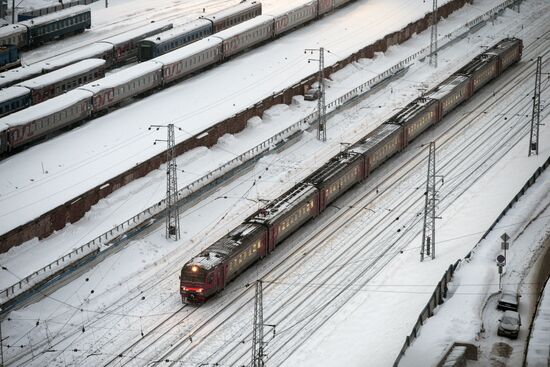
x=194, y=268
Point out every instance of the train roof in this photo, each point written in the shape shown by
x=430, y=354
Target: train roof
x=12, y=76
x=63, y=73
x=121, y=77
x=229, y=12
x=446, y=87
x=11, y=29
x=10, y=93
x=333, y=167
x=45, y=108
x=55, y=16
x=178, y=31
x=374, y=138
x=411, y=110
x=280, y=206
x=503, y=46
x=244, y=26
x=138, y=33
x=86, y=52
x=187, y=51
x=226, y=246
x=477, y=63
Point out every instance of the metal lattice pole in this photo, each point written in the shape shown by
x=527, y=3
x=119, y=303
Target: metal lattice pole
x=258, y=333
x=321, y=106
x=172, y=209
x=428, y=232
x=433, y=43
x=535, y=119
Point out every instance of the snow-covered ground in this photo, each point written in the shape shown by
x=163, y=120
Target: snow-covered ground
x=95, y=317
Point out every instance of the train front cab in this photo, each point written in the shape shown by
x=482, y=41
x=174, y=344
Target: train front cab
x=194, y=288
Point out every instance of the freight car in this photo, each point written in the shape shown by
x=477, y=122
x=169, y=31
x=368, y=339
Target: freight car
x=182, y=62
x=36, y=31
x=212, y=269
x=205, y=26
x=44, y=87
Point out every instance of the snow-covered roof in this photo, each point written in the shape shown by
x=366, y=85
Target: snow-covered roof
x=12, y=92
x=333, y=167
x=178, y=31
x=11, y=29
x=48, y=107
x=280, y=206
x=374, y=138
x=86, y=52
x=138, y=33
x=189, y=50
x=121, y=77
x=446, y=87
x=243, y=27
x=476, y=64
x=63, y=73
x=229, y=12
x=12, y=76
x=58, y=15
x=411, y=110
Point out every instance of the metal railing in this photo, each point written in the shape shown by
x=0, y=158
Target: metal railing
x=105, y=238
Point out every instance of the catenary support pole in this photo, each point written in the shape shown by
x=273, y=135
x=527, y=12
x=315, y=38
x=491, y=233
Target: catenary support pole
x=535, y=117
x=321, y=106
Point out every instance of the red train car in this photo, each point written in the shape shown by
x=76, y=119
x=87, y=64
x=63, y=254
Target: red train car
x=379, y=145
x=416, y=117
x=452, y=92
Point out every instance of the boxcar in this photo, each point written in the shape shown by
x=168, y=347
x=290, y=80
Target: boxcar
x=508, y=51
x=60, y=81
x=125, y=45
x=481, y=70
x=13, y=99
x=379, y=145
x=48, y=27
x=416, y=117
x=232, y=16
x=246, y=35
x=180, y=63
x=13, y=34
x=288, y=212
x=127, y=83
x=32, y=123
x=337, y=176
x=295, y=17
x=450, y=93
x=173, y=39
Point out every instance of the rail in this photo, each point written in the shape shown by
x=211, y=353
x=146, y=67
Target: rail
x=105, y=238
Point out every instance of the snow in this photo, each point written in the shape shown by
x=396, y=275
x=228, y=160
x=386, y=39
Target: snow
x=89, y=51
x=178, y=31
x=230, y=11
x=134, y=290
x=62, y=74
x=538, y=353
x=50, y=106
x=12, y=92
x=244, y=26
x=121, y=77
x=188, y=51
x=137, y=34
x=11, y=29
x=55, y=16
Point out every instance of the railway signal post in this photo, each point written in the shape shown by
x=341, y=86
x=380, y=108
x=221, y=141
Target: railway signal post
x=172, y=209
x=321, y=107
x=433, y=43
x=535, y=118
x=428, y=232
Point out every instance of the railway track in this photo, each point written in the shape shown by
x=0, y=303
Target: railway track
x=297, y=253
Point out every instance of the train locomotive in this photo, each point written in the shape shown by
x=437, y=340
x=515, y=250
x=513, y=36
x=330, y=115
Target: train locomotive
x=212, y=269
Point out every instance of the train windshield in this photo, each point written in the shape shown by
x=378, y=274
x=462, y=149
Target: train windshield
x=193, y=274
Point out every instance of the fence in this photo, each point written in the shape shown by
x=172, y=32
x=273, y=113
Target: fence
x=51, y=9
x=94, y=245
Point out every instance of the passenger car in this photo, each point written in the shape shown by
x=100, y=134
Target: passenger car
x=508, y=301
x=509, y=325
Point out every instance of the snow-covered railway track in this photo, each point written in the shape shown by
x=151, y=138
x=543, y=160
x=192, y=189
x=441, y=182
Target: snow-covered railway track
x=471, y=173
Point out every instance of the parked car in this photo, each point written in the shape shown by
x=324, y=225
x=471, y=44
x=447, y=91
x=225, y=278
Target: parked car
x=312, y=94
x=508, y=301
x=509, y=325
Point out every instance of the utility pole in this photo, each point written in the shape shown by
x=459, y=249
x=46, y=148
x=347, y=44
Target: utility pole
x=433, y=43
x=321, y=107
x=428, y=232
x=172, y=209
x=1, y=344
x=258, y=333
x=12, y=11
x=535, y=118
x=106, y=3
